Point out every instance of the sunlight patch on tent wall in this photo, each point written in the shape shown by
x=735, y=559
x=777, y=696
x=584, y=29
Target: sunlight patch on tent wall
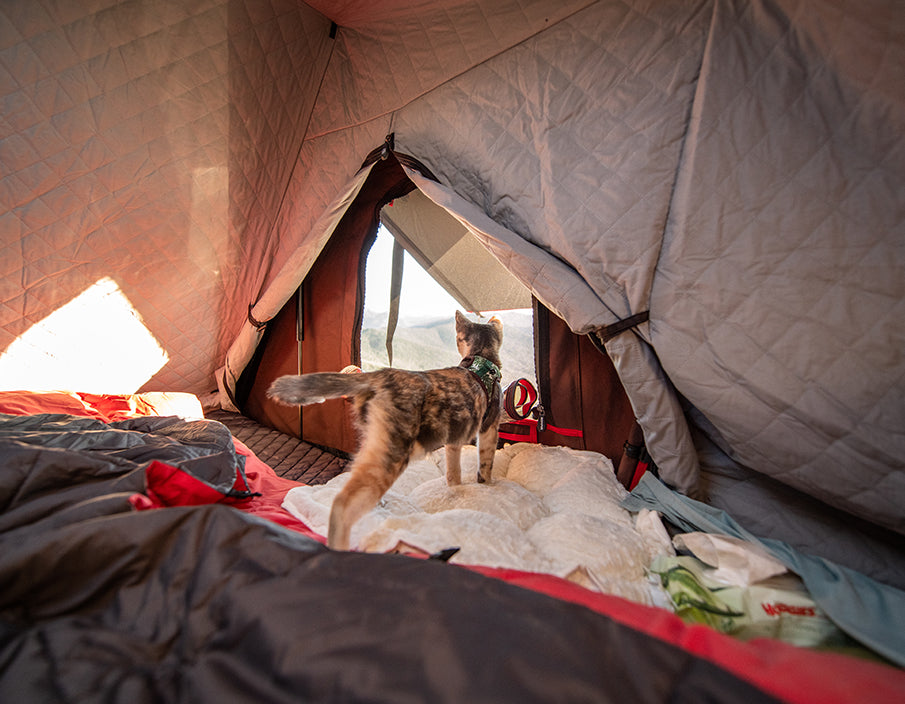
x=96, y=343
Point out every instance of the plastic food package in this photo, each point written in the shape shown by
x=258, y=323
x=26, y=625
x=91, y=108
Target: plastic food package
x=741, y=593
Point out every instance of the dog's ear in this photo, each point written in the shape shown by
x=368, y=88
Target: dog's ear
x=460, y=319
x=497, y=323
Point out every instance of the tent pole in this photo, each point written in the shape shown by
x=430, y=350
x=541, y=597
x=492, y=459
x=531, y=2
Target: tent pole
x=300, y=336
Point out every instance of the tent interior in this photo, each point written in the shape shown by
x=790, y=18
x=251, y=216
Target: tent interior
x=701, y=201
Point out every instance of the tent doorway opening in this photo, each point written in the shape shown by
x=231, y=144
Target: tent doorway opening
x=423, y=334
x=338, y=317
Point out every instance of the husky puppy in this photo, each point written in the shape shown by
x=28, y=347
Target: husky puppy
x=404, y=414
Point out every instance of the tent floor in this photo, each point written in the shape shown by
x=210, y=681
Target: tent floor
x=288, y=456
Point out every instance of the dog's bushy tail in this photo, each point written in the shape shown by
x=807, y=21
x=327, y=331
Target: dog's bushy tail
x=316, y=388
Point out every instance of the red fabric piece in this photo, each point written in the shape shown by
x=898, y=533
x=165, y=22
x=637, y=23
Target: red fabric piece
x=640, y=469
x=531, y=435
x=140, y=502
x=263, y=480
x=166, y=485
x=171, y=486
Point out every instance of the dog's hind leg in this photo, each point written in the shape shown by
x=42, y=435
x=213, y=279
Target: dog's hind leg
x=374, y=469
x=354, y=500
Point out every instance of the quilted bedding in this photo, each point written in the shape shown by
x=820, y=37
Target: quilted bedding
x=194, y=600
x=550, y=510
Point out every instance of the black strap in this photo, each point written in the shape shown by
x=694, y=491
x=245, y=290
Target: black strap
x=608, y=332
x=389, y=148
x=382, y=152
x=251, y=319
x=395, y=293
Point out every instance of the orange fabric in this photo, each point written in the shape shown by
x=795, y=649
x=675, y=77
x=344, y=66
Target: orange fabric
x=331, y=299
x=103, y=407
x=278, y=354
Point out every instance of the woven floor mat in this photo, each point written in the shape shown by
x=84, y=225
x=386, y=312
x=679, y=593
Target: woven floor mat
x=288, y=456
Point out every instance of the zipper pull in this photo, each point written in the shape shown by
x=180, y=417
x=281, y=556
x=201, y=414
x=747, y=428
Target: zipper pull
x=540, y=416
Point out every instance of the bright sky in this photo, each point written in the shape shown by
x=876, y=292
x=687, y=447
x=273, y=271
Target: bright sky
x=421, y=295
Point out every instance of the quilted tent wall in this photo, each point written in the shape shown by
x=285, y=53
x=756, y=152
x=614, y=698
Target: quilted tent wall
x=149, y=143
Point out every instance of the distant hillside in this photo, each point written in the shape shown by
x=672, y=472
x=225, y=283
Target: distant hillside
x=433, y=345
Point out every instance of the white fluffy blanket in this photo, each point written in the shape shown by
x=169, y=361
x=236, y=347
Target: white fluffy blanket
x=550, y=509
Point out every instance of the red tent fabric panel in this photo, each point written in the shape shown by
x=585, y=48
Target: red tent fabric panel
x=278, y=355
x=332, y=298
x=580, y=390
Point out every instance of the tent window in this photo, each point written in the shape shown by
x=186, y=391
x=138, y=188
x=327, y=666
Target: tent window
x=425, y=333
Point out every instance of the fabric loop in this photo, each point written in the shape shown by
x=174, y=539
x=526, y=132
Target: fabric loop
x=519, y=399
x=255, y=322
x=608, y=332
